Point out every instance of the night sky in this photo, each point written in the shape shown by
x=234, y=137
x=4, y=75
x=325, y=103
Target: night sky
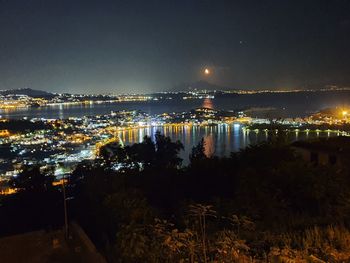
x=144, y=46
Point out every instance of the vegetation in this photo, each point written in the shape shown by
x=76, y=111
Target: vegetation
x=20, y=126
x=262, y=204
x=36, y=205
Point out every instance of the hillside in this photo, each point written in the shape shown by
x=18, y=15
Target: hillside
x=26, y=91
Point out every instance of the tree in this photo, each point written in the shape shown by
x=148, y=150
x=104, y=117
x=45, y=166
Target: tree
x=113, y=152
x=144, y=152
x=198, y=152
x=167, y=152
x=160, y=154
x=33, y=179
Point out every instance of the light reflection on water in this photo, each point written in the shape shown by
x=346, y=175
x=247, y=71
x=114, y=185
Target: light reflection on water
x=220, y=140
x=287, y=105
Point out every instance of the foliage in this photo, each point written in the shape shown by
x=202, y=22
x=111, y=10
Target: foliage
x=21, y=126
x=161, y=153
x=36, y=205
x=198, y=152
x=262, y=204
x=113, y=152
x=262, y=195
x=33, y=179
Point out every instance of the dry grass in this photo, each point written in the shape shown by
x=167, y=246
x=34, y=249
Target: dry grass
x=329, y=244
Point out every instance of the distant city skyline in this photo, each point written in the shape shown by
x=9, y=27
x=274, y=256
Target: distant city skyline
x=149, y=46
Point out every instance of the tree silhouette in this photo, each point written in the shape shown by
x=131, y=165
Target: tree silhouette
x=113, y=152
x=198, y=152
x=160, y=154
x=33, y=179
x=167, y=152
x=144, y=152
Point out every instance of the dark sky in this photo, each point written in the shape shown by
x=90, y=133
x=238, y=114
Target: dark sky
x=142, y=46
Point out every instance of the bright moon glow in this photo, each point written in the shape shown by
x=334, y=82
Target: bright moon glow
x=206, y=71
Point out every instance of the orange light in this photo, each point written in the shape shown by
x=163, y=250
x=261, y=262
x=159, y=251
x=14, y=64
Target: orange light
x=206, y=71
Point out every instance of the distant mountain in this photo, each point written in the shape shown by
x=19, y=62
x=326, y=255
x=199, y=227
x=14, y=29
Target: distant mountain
x=26, y=91
x=199, y=85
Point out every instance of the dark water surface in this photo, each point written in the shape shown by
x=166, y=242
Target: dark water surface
x=286, y=104
x=220, y=140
